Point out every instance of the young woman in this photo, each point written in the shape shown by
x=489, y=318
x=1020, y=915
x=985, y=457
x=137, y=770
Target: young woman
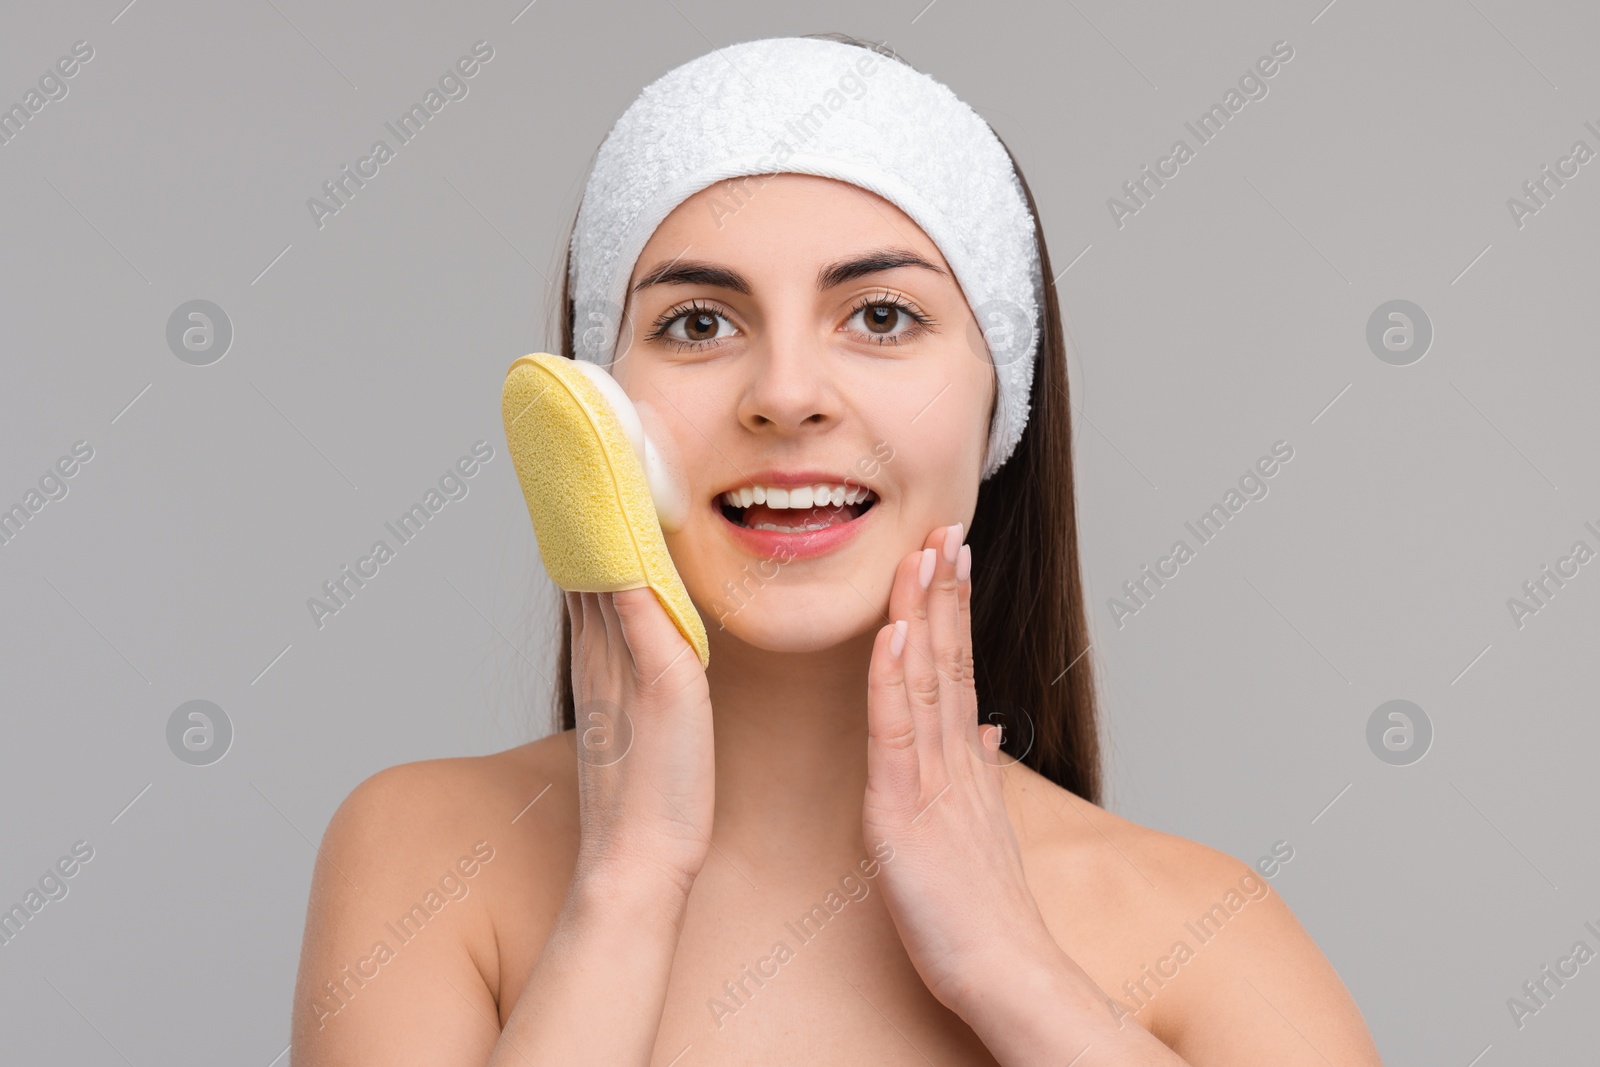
x=822, y=848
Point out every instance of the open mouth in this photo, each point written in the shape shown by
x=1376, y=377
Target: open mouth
x=798, y=510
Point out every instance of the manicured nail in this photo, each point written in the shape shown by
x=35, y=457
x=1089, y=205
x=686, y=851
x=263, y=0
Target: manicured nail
x=964, y=563
x=897, y=643
x=925, y=574
x=952, y=541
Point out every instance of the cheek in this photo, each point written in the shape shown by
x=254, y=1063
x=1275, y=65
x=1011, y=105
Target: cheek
x=936, y=438
x=934, y=478
x=699, y=547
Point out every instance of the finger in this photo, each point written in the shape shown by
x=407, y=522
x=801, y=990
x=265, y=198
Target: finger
x=587, y=658
x=584, y=621
x=659, y=650
x=908, y=601
x=950, y=646
x=893, y=773
x=602, y=721
x=574, y=606
x=971, y=712
x=616, y=647
x=990, y=765
x=975, y=711
x=985, y=758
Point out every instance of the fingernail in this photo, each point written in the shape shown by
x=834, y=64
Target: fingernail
x=952, y=541
x=925, y=574
x=964, y=563
x=897, y=643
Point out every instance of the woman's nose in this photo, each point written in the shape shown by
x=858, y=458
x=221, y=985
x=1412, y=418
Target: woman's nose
x=790, y=386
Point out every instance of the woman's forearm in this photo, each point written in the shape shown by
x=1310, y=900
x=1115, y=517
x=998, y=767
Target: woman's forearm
x=597, y=992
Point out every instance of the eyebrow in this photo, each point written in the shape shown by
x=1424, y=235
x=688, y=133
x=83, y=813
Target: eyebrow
x=695, y=272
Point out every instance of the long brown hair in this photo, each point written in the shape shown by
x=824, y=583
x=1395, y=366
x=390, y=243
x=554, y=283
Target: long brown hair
x=1030, y=632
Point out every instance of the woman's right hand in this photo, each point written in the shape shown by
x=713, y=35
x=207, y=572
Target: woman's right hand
x=644, y=744
x=642, y=708
x=598, y=987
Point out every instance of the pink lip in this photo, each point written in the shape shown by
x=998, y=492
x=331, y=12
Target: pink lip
x=770, y=544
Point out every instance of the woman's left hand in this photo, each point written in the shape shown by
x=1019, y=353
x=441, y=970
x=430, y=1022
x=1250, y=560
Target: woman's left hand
x=955, y=885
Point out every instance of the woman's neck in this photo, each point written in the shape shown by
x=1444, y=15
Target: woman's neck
x=791, y=735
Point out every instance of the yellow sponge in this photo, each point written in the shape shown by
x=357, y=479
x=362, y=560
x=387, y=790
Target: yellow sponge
x=586, y=490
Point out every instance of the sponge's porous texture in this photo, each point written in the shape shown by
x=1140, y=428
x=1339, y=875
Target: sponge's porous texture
x=586, y=491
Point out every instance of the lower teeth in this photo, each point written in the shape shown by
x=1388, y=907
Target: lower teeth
x=789, y=529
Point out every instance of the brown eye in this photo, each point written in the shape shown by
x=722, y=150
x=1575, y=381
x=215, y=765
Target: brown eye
x=889, y=322
x=700, y=326
x=691, y=327
x=881, y=318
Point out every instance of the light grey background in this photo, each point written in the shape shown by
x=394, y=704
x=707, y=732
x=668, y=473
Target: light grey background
x=1228, y=314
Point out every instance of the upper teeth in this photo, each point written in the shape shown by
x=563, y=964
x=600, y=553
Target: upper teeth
x=802, y=496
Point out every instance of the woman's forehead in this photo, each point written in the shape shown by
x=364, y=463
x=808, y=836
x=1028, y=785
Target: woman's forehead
x=782, y=223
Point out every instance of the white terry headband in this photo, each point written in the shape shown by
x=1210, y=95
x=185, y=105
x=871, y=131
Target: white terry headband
x=816, y=106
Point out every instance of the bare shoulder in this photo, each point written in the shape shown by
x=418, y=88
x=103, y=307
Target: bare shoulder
x=1191, y=942
x=430, y=797
x=400, y=824
x=406, y=894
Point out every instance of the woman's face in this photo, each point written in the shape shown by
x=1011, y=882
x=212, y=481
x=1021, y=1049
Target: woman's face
x=772, y=337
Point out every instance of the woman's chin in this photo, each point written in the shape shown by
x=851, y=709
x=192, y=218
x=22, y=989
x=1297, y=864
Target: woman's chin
x=788, y=627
